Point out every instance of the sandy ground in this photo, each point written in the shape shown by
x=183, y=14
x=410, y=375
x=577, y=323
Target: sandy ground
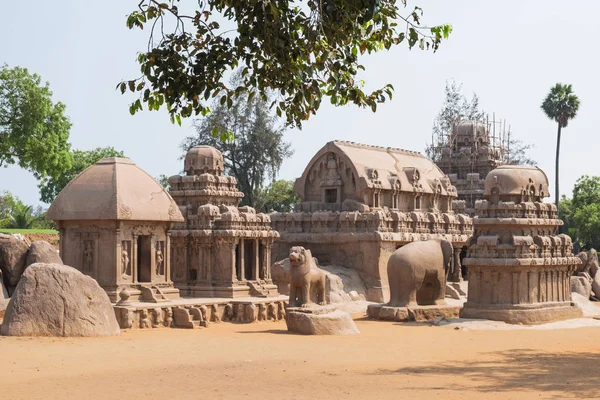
x=262, y=361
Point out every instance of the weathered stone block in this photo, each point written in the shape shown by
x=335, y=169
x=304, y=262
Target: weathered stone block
x=331, y=323
x=581, y=285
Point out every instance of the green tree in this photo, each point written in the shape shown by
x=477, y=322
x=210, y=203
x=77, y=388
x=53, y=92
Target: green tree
x=258, y=150
x=34, y=131
x=303, y=50
x=278, y=196
x=163, y=180
x=7, y=203
x=21, y=217
x=560, y=105
x=50, y=187
x=581, y=213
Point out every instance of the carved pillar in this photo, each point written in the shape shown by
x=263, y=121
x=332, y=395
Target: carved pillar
x=241, y=248
x=153, y=258
x=232, y=246
x=118, y=257
x=257, y=260
x=167, y=257
x=268, y=249
x=134, y=258
x=209, y=264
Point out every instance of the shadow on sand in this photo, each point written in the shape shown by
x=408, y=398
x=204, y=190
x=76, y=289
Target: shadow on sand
x=573, y=375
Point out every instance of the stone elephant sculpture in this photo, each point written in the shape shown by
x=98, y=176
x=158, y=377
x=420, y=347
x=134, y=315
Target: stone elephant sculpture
x=417, y=273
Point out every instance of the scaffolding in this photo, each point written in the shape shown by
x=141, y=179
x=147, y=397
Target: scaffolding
x=484, y=148
x=496, y=130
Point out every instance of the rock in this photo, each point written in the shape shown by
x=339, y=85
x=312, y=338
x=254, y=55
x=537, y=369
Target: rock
x=280, y=273
x=461, y=287
x=13, y=254
x=452, y=292
x=4, y=299
x=330, y=323
x=42, y=252
x=588, y=308
x=418, y=313
x=581, y=285
x=354, y=296
x=58, y=300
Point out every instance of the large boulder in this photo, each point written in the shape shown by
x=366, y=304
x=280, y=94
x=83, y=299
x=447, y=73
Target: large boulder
x=13, y=255
x=58, y=300
x=581, y=285
x=42, y=252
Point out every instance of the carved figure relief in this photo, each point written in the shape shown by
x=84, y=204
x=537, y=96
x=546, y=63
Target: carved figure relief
x=262, y=312
x=159, y=258
x=88, y=256
x=169, y=317
x=214, y=313
x=250, y=313
x=126, y=318
x=228, y=313
x=272, y=311
x=144, y=319
x=158, y=317
x=239, y=315
x=125, y=264
x=281, y=311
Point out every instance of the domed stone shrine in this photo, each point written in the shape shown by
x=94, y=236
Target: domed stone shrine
x=220, y=250
x=519, y=267
x=114, y=221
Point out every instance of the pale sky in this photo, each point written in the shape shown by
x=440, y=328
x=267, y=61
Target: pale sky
x=509, y=52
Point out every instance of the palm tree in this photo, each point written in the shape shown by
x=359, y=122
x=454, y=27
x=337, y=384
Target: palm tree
x=560, y=105
x=21, y=217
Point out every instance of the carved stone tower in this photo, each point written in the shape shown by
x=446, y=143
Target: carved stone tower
x=519, y=267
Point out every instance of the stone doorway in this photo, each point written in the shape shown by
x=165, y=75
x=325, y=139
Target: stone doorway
x=144, y=256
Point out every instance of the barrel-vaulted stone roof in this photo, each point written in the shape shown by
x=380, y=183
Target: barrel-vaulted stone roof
x=387, y=166
x=114, y=189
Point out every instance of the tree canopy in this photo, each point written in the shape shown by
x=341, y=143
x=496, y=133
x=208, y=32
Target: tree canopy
x=560, y=105
x=278, y=196
x=34, y=131
x=301, y=50
x=50, y=187
x=14, y=214
x=581, y=213
x=258, y=150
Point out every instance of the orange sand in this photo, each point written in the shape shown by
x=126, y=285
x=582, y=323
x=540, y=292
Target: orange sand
x=263, y=361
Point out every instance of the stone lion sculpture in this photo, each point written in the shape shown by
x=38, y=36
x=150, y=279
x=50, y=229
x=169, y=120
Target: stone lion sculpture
x=304, y=274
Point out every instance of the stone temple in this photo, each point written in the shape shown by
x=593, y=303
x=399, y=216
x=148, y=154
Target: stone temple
x=360, y=203
x=467, y=157
x=114, y=221
x=220, y=249
x=519, y=267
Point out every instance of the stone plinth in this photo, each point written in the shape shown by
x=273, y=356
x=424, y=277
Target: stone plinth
x=519, y=267
x=320, y=321
x=406, y=314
